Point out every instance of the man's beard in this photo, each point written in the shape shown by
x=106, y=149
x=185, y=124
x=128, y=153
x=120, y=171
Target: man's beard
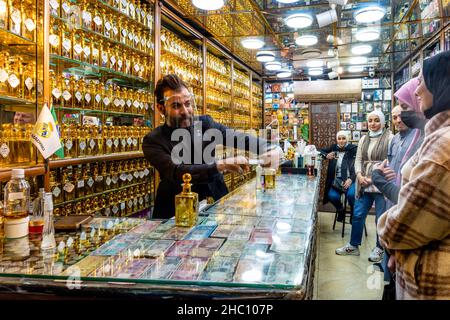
x=181, y=122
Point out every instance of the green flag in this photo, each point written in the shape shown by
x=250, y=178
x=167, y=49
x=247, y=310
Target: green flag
x=60, y=151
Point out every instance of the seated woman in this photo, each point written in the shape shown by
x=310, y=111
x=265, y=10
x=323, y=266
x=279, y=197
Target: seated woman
x=341, y=173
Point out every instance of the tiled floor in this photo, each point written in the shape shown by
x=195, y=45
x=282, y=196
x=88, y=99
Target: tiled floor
x=345, y=277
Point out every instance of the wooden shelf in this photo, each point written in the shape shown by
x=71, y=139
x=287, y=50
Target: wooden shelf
x=106, y=157
x=30, y=171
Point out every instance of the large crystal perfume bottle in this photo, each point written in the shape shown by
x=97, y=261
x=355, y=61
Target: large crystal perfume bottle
x=186, y=205
x=48, y=235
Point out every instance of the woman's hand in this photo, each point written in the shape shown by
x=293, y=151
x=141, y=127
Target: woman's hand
x=347, y=183
x=330, y=156
x=363, y=181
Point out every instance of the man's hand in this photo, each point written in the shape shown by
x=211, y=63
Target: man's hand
x=347, y=184
x=388, y=173
x=331, y=156
x=236, y=164
x=271, y=158
x=391, y=263
x=364, y=181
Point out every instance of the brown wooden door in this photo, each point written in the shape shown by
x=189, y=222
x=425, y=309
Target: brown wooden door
x=324, y=126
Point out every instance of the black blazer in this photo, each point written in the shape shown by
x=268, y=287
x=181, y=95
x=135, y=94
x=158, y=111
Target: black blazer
x=347, y=163
x=206, y=179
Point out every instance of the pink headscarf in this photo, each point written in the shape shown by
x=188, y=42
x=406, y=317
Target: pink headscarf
x=406, y=94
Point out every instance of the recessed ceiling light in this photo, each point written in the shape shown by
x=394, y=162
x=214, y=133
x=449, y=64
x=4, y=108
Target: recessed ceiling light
x=315, y=71
x=314, y=63
x=208, y=4
x=252, y=43
x=299, y=21
x=284, y=73
x=368, y=34
x=356, y=69
x=306, y=40
x=265, y=56
x=358, y=60
x=369, y=14
x=273, y=66
x=362, y=49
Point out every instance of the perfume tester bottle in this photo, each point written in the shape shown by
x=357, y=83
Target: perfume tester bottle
x=186, y=205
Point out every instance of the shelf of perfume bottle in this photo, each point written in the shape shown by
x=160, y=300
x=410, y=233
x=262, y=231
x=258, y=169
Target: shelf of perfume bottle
x=30, y=171
x=57, y=163
x=218, y=107
x=114, y=10
x=219, y=90
x=105, y=38
x=61, y=204
x=90, y=111
x=181, y=59
x=9, y=38
x=8, y=100
x=67, y=64
x=220, y=74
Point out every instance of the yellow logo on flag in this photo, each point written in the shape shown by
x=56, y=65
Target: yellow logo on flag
x=44, y=129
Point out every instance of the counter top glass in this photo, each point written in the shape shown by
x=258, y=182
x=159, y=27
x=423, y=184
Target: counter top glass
x=249, y=239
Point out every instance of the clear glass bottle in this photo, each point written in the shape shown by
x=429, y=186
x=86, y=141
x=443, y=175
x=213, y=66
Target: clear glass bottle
x=186, y=205
x=68, y=184
x=48, y=235
x=29, y=20
x=4, y=14
x=15, y=78
x=81, y=137
x=29, y=76
x=66, y=41
x=5, y=150
x=55, y=187
x=16, y=196
x=54, y=37
x=15, y=17
x=37, y=220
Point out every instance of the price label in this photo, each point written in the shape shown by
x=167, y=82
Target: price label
x=87, y=50
x=135, y=201
x=68, y=187
x=131, y=8
x=56, y=93
x=67, y=44
x=122, y=206
x=98, y=21
x=116, y=102
x=112, y=60
x=116, y=142
x=56, y=192
x=87, y=17
x=3, y=75
x=146, y=106
x=143, y=41
x=122, y=102
x=106, y=101
x=136, y=39
x=129, y=103
x=54, y=40
x=141, y=201
x=136, y=104
x=78, y=95
x=87, y=97
x=120, y=63
x=136, y=67
x=69, y=144
x=108, y=25
x=135, y=142
x=115, y=31
x=123, y=142
x=109, y=143
x=108, y=181
x=13, y=80
x=80, y=184
x=78, y=48
x=92, y=144
x=107, y=211
x=146, y=172
x=130, y=177
x=29, y=83
x=129, y=141
x=82, y=145
x=115, y=209
x=4, y=150
x=147, y=198
x=130, y=36
x=124, y=33
x=95, y=52
x=123, y=177
x=90, y=182
x=130, y=204
x=30, y=25
x=115, y=179
x=66, y=95
x=141, y=174
x=136, y=174
x=98, y=98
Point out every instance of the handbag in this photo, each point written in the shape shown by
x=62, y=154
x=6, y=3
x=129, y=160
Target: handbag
x=338, y=184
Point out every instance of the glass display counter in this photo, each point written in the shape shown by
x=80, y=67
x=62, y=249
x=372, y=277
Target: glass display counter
x=249, y=243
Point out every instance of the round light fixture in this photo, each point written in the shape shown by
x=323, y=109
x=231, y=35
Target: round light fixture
x=252, y=43
x=362, y=49
x=315, y=71
x=369, y=14
x=273, y=65
x=265, y=56
x=284, y=73
x=333, y=63
x=299, y=21
x=307, y=40
x=356, y=69
x=358, y=60
x=368, y=34
x=208, y=4
x=340, y=70
x=314, y=63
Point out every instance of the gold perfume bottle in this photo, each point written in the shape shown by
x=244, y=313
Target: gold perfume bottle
x=29, y=20
x=15, y=16
x=4, y=14
x=68, y=185
x=66, y=41
x=123, y=138
x=98, y=96
x=87, y=175
x=116, y=138
x=79, y=182
x=108, y=25
x=186, y=205
x=81, y=137
x=97, y=20
x=104, y=55
x=68, y=92
x=90, y=141
x=55, y=187
x=108, y=141
x=79, y=91
x=86, y=14
x=95, y=60
x=56, y=85
x=69, y=133
x=5, y=142
x=98, y=179
x=29, y=75
x=98, y=137
x=114, y=175
x=15, y=78
x=78, y=44
x=107, y=98
x=106, y=172
x=89, y=94
x=65, y=9
x=87, y=51
x=54, y=37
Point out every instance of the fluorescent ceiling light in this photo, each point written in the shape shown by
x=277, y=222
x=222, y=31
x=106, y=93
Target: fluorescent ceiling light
x=208, y=4
x=252, y=43
x=284, y=74
x=358, y=60
x=362, y=49
x=356, y=69
x=368, y=34
x=307, y=40
x=273, y=66
x=265, y=56
x=287, y=1
x=314, y=63
x=369, y=14
x=299, y=21
x=315, y=71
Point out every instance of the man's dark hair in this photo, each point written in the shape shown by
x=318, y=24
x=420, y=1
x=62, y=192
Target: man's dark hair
x=170, y=81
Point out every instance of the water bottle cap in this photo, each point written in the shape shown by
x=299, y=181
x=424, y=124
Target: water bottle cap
x=18, y=173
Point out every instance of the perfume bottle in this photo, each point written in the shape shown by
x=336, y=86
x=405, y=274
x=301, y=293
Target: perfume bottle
x=29, y=20
x=15, y=78
x=108, y=25
x=186, y=205
x=56, y=89
x=86, y=56
x=81, y=137
x=16, y=196
x=29, y=74
x=55, y=187
x=90, y=141
x=89, y=94
x=15, y=16
x=108, y=141
x=68, y=91
x=98, y=138
x=96, y=52
x=3, y=14
x=98, y=96
x=78, y=44
x=114, y=175
x=116, y=138
x=106, y=172
x=68, y=185
x=70, y=140
x=79, y=91
x=97, y=21
x=5, y=150
x=107, y=98
x=48, y=234
x=36, y=223
x=79, y=182
x=54, y=37
x=98, y=179
x=65, y=9
x=66, y=41
x=89, y=179
x=86, y=14
x=123, y=138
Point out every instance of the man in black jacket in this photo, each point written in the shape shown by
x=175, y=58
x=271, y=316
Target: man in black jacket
x=183, y=145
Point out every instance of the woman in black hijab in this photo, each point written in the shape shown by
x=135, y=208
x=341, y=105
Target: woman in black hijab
x=417, y=230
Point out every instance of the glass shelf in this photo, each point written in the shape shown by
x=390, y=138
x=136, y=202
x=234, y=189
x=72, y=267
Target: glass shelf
x=100, y=111
x=89, y=70
x=11, y=39
x=6, y=100
x=146, y=54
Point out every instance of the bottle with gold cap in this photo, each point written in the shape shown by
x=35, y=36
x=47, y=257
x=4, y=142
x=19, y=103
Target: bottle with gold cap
x=29, y=20
x=79, y=90
x=66, y=41
x=98, y=96
x=89, y=94
x=5, y=149
x=186, y=205
x=55, y=187
x=79, y=182
x=68, y=184
x=107, y=140
x=15, y=83
x=15, y=16
x=3, y=14
x=106, y=172
x=54, y=37
x=116, y=138
x=81, y=137
x=29, y=78
x=78, y=44
x=68, y=92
